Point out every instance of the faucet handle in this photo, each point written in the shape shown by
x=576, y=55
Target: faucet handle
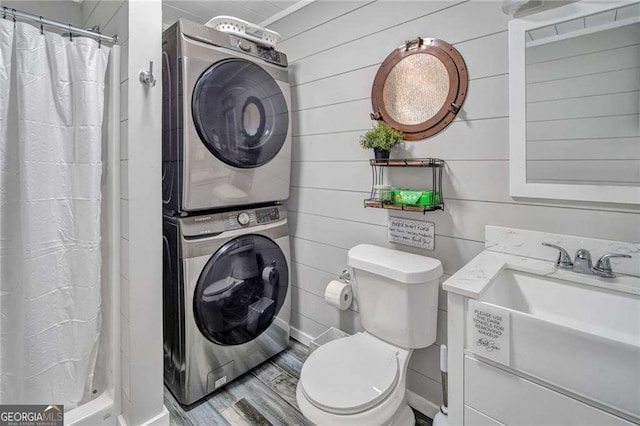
x=603, y=267
x=564, y=260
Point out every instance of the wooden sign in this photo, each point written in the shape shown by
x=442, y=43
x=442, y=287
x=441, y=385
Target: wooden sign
x=415, y=233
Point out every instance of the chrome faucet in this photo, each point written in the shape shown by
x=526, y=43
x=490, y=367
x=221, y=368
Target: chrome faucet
x=582, y=263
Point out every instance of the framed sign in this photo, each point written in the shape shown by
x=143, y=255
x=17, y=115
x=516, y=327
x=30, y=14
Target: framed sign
x=414, y=233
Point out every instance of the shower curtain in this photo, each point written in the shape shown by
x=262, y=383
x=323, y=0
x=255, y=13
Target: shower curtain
x=51, y=109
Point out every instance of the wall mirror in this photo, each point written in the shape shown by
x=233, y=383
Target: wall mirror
x=574, y=85
x=420, y=87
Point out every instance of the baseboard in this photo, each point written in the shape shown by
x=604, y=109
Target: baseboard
x=162, y=419
x=300, y=336
x=122, y=421
x=421, y=404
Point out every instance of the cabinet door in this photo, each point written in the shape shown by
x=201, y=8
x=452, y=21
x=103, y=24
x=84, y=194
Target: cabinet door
x=515, y=401
x=475, y=418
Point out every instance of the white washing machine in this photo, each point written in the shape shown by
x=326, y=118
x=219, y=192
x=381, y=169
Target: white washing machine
x=226, y=124
x=226, y=298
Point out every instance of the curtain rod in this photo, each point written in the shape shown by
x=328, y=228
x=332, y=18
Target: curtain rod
x=48, y=22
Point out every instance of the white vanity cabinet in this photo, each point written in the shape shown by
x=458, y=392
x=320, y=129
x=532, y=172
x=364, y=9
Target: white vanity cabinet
x=485, y=392
x=530, y=344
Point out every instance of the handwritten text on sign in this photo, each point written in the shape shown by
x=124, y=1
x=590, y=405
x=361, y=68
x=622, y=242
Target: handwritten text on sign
x=489, y=331
x=415, y=233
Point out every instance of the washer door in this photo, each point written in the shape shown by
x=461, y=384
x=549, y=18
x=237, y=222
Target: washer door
x=240, y=113
x=241, y=290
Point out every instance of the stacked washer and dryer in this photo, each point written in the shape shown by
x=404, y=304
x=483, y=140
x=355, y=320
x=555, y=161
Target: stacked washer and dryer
x=226, y=166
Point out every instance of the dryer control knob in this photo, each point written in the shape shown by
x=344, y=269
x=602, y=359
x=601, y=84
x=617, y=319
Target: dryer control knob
x=244, y=45
x=244, y=219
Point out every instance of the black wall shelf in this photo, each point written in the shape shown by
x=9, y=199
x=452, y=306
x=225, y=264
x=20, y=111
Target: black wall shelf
x=377, y=171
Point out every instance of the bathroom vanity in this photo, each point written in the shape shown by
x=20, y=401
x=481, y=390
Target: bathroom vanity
x=532, y=343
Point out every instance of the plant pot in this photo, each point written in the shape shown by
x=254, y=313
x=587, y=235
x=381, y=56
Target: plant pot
x=381, y=154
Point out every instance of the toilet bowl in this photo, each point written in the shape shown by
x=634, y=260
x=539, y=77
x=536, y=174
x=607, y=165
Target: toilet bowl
x=356, y=380
x=361, y=379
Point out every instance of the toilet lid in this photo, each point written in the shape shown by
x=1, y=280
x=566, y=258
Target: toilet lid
x=350, y=375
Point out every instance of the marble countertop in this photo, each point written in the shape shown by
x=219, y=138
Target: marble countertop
x=477, y=275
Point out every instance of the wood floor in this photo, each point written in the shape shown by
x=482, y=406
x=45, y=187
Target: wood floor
x=264, y=396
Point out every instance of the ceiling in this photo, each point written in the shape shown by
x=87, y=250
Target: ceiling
x=254, y=11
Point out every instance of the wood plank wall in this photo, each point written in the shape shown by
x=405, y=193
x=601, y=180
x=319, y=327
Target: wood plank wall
x=582, y=109
x=335, y=48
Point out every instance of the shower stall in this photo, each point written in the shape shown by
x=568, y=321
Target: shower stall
x=59, y=218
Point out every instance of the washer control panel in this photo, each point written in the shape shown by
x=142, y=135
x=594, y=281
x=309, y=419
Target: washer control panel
x=244, y=219
x=217, y=223
x=267, y=215
x=260, y=216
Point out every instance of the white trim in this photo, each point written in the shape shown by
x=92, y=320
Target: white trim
x=116, y=230
x=517, y=114
x=300, y=336
x=421, y=404
x=286, y=12
x=584, y=31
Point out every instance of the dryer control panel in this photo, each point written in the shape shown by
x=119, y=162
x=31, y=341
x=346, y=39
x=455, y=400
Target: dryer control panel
x=247, y=46
x=204, y=34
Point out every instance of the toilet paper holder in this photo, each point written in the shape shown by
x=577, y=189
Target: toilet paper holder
x=345, y=276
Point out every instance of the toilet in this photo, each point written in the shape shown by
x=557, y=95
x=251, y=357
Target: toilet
x=361, y=379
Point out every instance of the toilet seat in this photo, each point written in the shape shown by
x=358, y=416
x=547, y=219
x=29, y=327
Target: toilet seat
x=350, y=375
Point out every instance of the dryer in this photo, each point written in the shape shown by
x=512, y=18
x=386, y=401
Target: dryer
x=226, y=298
x=226, y=121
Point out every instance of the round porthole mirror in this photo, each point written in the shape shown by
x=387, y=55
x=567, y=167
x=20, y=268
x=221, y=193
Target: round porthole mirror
x=420, y=87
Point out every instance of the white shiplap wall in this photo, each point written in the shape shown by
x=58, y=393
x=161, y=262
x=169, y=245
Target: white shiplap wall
x=139, y=28
x=582, y=108
x=112, y=18
x=335, y=49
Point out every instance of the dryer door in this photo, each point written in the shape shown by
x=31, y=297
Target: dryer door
x=240, y=113
x=241, y=290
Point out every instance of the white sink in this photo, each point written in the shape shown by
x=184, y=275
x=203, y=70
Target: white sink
x=577, y=337
x=591, y=309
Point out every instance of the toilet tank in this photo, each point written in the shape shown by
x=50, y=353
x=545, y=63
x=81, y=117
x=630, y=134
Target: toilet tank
x=397, y=294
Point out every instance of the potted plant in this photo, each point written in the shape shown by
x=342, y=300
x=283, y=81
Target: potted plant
x=381, y=138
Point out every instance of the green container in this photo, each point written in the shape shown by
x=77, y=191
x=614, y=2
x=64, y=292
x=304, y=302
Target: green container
x=415, y=198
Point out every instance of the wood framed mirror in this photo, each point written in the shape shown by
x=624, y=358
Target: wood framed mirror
x=420, y=87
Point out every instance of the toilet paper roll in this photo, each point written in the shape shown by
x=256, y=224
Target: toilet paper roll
x=338, y=294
